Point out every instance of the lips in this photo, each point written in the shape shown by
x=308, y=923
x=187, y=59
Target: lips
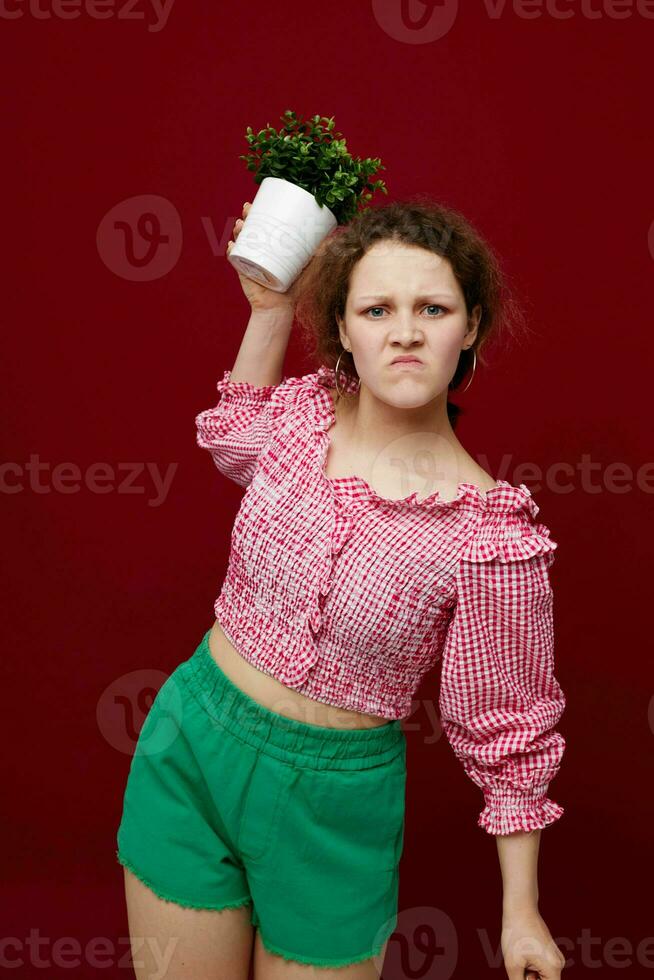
x=406, y=360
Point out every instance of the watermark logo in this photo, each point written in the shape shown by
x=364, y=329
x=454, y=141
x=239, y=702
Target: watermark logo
x=144, y=707
x=415, y=21
x=40, y=477
x=153, y=12
x=426, y=21
x=37, y=951
x=140, y=239
x=424, y=944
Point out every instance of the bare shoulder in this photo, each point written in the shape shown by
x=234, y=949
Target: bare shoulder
x=469, y=471
x=480, y=478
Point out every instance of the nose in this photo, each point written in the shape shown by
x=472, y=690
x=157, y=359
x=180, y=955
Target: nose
x=406, y=330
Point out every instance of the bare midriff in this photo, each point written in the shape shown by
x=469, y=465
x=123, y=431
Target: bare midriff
x=277, y=697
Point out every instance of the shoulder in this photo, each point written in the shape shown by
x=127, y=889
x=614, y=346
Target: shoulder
x=304, y=393
x=288, y=393
x=507, y=529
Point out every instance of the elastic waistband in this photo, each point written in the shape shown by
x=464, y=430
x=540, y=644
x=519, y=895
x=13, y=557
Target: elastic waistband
x=315, y=746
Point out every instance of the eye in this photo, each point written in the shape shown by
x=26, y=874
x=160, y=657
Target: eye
x=430, y=306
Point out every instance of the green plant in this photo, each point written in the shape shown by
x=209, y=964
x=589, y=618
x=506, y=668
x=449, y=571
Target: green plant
x=310, y=154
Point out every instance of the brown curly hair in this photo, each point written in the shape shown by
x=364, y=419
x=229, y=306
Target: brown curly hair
x=418, y=220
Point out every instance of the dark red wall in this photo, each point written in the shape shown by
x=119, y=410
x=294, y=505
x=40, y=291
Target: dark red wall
x=538, y=126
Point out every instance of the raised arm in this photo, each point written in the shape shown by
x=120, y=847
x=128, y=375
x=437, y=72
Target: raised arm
x=252, y=395
x=260, y=358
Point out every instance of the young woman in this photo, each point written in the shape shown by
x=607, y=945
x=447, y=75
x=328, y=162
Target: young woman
x=267, y=785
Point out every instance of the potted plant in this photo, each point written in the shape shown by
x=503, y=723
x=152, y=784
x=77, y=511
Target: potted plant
x=309, y=183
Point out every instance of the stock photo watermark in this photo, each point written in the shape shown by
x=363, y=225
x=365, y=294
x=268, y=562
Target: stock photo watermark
x=425, y=944
x=68, y=953
x=153, y=13
x=426, y=21
x=38, y=477
x=140, y=239
x=125, y=706
x=587, y=476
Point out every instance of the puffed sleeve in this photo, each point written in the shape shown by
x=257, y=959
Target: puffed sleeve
x=236, y=430
x=499, y=700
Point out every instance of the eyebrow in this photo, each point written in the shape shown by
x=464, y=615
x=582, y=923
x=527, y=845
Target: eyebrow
x=420, y=299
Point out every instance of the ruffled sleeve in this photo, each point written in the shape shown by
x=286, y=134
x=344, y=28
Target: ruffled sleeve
x=238, y=428
x=499, y=699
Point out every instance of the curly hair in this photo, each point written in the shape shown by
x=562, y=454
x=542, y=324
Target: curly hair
x=421, y=221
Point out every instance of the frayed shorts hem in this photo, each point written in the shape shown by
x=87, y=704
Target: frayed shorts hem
x=247, y=900
x=176, y=900
x=313, y=961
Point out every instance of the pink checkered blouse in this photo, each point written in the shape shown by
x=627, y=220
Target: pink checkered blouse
x=350, y=598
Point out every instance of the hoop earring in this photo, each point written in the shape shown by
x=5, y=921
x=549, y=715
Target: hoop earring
x=474, y=368
x=338, y=390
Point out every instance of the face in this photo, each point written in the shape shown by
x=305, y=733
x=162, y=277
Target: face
x=405, y=300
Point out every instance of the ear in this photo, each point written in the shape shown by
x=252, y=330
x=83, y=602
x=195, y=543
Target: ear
x=473, y=325
x=341, y=330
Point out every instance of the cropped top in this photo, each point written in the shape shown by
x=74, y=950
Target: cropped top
x=350, y=598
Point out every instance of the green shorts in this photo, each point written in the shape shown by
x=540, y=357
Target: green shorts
x=228, y=803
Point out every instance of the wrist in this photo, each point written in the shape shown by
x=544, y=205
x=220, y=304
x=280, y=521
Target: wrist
x=282, y=313
x=512, y=909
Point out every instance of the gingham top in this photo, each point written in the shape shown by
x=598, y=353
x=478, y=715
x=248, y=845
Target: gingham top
x=350, y=598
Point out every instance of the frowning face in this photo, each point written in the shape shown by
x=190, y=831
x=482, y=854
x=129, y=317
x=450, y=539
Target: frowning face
x=404, y=301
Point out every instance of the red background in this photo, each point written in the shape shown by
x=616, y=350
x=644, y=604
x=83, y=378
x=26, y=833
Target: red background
x=539, y=130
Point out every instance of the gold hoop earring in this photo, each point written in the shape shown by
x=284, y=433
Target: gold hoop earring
x=474, y=368
x=338, y=390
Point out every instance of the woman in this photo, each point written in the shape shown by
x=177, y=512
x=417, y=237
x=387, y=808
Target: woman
x=267, y=786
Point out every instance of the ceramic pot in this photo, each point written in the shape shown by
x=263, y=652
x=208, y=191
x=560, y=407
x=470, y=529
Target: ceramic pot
x=283, y=228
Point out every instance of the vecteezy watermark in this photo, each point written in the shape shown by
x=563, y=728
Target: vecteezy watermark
x=67, y=952
x=583, y=476
x=100, y=478
x=425, y=943
x=140, y=238
x=126, y=713
x=426, y=21
x=424, y=468
x=138, y=10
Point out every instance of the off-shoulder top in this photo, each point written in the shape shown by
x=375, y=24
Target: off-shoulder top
x=350, y=598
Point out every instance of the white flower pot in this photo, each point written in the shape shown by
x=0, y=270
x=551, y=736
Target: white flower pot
x=284, y=227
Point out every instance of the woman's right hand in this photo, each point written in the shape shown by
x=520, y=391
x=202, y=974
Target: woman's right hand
x=261, y=297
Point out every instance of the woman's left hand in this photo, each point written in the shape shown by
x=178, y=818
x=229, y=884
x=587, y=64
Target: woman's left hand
x=529, y=951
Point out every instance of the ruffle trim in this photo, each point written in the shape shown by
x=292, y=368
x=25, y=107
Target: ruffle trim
x=497, y=821
x=535, y=540
x=243, y=392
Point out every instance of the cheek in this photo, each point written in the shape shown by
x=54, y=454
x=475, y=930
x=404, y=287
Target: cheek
x=447, y=348
x=369, y=346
